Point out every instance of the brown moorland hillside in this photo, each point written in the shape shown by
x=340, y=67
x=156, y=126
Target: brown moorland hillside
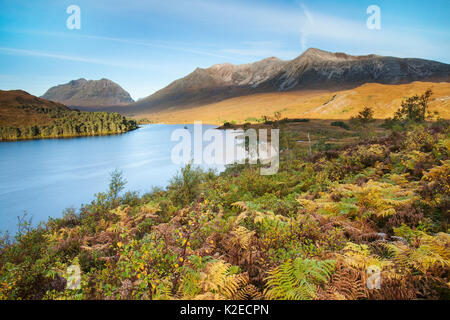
x=312, y=104
x=18, y=108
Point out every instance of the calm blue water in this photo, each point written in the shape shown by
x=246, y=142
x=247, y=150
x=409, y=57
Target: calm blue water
x=43, y=177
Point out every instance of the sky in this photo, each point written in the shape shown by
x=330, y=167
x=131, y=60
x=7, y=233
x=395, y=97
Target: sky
x=144, y=45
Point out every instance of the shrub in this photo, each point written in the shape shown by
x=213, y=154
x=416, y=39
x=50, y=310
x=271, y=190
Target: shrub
x=364, y=117
x=185, y=186
x=341, y=124
x=415, y=108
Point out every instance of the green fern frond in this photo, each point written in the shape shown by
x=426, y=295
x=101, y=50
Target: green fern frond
x=298, y=279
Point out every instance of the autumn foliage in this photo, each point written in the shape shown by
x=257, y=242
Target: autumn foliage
x=310, y=232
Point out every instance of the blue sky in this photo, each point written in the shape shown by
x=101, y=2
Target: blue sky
x=145, y=44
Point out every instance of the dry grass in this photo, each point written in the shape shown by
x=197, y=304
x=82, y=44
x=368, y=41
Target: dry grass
x=385, y=99
x=13, y=113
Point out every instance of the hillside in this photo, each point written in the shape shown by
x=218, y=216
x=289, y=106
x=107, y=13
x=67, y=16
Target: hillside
x=313, y=70
x=13, y=113
x=314, y=104
x=82, y=93
x=24, y=116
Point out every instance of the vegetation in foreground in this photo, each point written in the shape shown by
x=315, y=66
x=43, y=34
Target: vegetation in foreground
x=312, y=231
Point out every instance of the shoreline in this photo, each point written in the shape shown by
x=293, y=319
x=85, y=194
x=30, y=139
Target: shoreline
x=69, y=137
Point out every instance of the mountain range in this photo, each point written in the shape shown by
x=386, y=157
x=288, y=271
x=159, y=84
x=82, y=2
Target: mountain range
x=84, y=93
x=313, y=70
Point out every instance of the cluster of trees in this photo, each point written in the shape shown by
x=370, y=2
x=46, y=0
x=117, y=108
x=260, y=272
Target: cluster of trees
x=70, y=123
x=416, y=109
x=413, y=110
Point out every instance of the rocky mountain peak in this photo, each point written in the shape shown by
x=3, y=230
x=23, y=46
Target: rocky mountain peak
x=313, y=69
x=89, y=93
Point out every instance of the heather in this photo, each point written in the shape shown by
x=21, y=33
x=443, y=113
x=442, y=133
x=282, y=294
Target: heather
x=315, y=230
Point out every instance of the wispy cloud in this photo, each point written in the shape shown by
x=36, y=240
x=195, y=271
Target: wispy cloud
x=162, y=46
x=272, y=21
x=309, y=21
x=166, y=46
x=42, y=54
x=309, y=25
